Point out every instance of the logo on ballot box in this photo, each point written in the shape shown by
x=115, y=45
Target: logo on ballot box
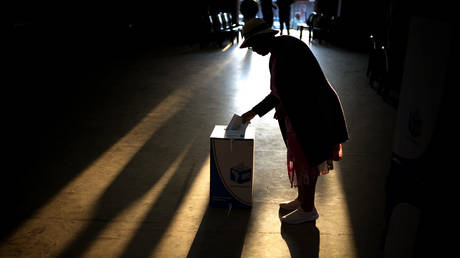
x=240, y=174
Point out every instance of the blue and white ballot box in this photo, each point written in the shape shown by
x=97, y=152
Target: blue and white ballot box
x=232, y=167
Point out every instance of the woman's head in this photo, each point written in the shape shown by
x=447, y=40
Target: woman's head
x=261, y=44
x=258, y=35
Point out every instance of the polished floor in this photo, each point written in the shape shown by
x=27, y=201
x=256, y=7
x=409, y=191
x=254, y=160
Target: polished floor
x=131, y=177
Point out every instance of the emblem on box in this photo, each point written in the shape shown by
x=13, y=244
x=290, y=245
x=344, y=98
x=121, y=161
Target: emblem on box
x=240, y=174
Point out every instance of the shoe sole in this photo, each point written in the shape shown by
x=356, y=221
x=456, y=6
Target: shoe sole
x=300, y=221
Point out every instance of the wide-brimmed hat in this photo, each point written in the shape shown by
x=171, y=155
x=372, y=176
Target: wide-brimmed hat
x=254, y=28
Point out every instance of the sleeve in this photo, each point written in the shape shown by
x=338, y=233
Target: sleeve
x=267, y=104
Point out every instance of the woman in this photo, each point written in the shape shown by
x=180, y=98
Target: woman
x=308, y=111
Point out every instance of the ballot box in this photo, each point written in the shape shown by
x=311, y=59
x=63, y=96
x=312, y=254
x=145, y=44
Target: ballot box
x=232, y=167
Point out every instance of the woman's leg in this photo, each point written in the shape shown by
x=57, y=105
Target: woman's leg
x=307, y=211
x=307, y=193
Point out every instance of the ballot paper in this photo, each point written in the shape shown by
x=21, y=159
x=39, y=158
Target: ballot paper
x=236, y=128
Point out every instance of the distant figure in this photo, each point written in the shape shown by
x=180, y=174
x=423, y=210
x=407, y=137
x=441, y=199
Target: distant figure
x=309, y=113
x=249, y=9
x=267, y=11
x=284, y=13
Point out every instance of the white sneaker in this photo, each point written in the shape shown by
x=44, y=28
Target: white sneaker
x=299, y=216
x=290, y=206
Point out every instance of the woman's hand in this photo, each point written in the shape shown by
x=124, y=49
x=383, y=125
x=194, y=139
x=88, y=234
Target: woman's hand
x=248, y=116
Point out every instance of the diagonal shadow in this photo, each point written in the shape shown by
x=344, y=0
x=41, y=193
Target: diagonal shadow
x=190, y=126
x=114, y=108
x=159, y=217
x=139, y=175
x=68, y=122
x=221, y=234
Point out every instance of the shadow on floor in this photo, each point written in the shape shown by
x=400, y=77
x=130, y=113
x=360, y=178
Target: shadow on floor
x=302, y=239
x=61, y=123
x=144, y=171
x=221, y=234
x=137, y=178
x=368, y=150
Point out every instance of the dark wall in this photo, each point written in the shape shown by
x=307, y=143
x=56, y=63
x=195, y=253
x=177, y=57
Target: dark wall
x=360, y=19
x=156, y=21
x=52, y=47
x=61, y=36
x=418, y=180
x=352, y=21
x=328, y=7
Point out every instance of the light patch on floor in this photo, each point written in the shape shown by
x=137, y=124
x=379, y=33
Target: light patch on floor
x=178, y=238
x=137, y=211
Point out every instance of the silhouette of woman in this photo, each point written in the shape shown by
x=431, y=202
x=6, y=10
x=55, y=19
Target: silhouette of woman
x=309, y=113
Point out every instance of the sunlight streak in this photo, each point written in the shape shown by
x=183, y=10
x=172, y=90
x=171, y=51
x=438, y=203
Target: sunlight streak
x=335, y=218
x=227, y=47
x=73, y=207
x=251, y=87
x=135, y=213
x=89, y=187
x=334, y=223
x=186, y=221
